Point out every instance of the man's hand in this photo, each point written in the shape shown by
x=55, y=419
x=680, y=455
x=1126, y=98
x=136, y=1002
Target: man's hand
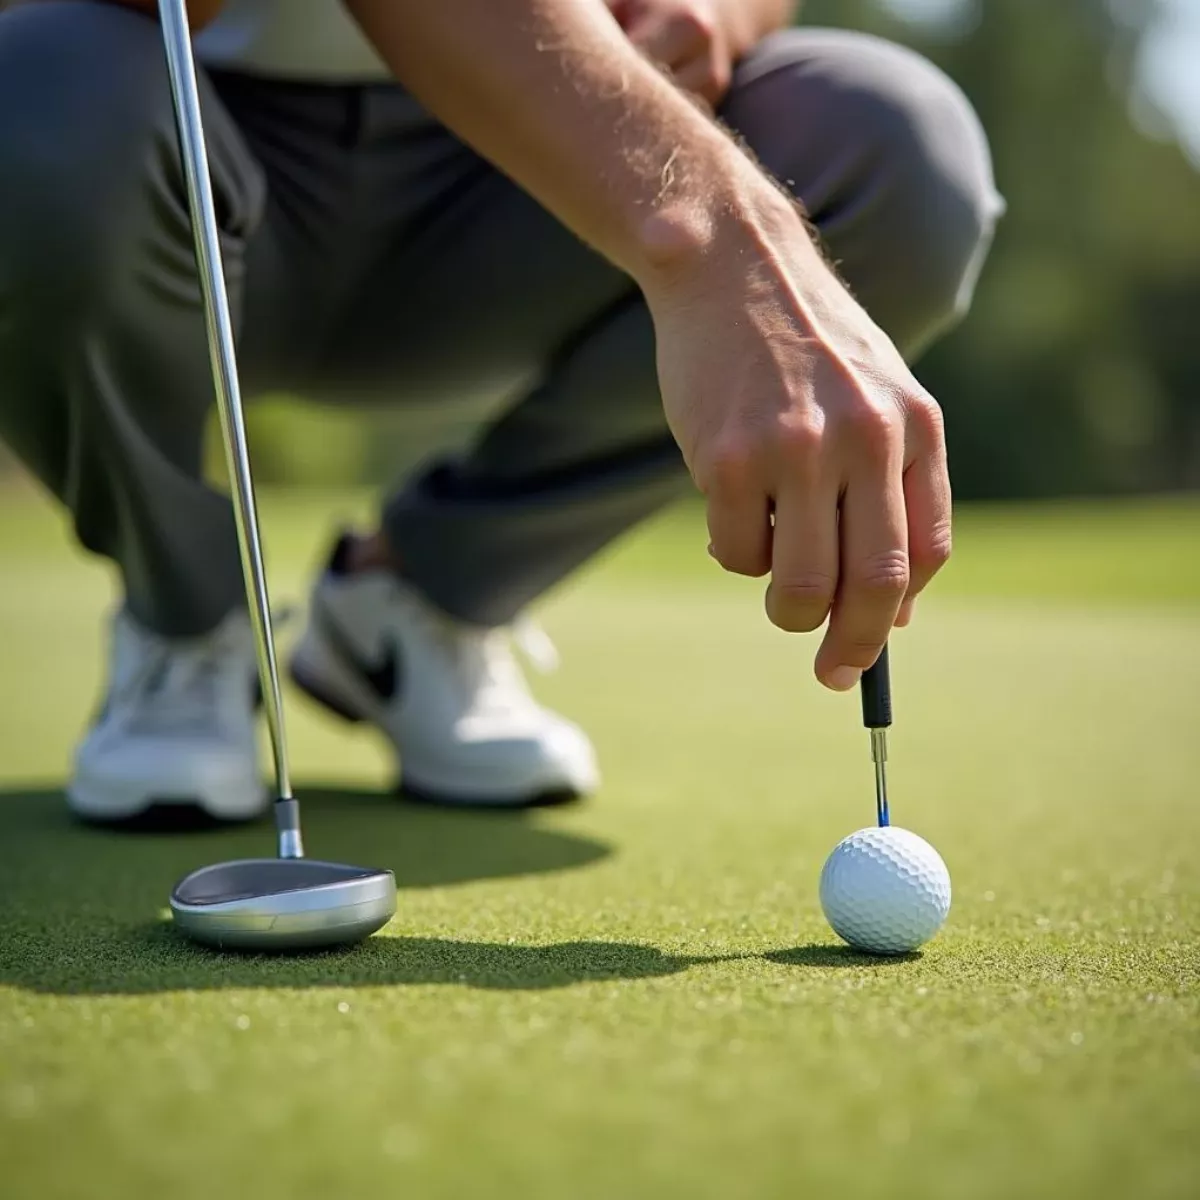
x=686, y=37
x=699, y=41
x=821, y=458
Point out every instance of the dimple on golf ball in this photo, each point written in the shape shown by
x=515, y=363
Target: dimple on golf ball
x=885, y=890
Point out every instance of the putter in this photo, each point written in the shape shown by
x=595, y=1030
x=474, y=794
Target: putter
x=288, y=902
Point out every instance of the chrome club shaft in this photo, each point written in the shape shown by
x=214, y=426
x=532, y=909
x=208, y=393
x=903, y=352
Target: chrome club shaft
x=186, y=95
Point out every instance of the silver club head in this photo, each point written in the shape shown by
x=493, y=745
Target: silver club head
x=283, y=904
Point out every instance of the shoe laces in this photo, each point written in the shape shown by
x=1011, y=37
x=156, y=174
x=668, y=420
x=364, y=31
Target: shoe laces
x=175, y=687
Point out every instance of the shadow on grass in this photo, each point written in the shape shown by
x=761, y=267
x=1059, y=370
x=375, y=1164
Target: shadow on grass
x=154, y=958
x=836, y=957
x=78, y=905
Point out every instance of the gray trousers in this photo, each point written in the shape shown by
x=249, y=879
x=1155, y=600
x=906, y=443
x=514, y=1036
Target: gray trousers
x=373, y=258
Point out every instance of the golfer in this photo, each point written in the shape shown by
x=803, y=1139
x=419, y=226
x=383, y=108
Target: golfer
x=632, y=241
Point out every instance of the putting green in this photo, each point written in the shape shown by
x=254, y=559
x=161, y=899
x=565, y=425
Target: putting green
x=638, y=997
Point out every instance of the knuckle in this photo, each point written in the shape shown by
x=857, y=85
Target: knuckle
x=873, y=428
x=800, y=603
x=883, y=575
x=809, y=589
x=799, y=439
x=931, y=413
x=934, y=549
x=730, y=467
x=925, y=414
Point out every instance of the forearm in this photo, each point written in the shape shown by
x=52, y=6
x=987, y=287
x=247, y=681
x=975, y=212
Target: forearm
x=554, y=95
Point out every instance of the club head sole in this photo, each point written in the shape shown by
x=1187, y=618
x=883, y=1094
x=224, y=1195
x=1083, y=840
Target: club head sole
x=282, y=905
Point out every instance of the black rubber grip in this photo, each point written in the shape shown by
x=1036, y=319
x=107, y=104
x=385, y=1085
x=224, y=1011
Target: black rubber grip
x=876, y=690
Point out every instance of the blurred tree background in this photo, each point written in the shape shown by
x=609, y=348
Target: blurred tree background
x=1078, y=370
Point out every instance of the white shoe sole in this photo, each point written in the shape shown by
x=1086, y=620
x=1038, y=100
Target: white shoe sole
x=318, y=671
x=104, y=800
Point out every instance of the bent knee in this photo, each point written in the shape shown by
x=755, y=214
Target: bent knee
x=891, y=162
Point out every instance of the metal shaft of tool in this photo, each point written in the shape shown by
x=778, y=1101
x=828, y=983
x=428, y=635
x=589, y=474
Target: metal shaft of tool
x=185, y=93
x=879, y=758
x=876, y=691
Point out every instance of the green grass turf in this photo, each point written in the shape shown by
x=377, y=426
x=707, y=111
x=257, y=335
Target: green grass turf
x=638, y=997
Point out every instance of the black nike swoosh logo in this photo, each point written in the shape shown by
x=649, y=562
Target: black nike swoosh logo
x=382, y=676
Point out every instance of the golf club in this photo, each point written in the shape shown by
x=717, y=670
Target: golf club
x=876, y=688
x=288, y=902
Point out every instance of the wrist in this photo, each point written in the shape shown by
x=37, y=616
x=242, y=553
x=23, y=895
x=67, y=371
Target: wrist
x=743, y=225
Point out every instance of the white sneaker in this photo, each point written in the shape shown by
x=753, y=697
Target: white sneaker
x=177, y=727
x=449, y=696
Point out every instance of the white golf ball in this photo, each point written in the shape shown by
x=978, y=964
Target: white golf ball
x=885, y=890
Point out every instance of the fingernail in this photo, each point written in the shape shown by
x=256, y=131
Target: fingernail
x=843, y=678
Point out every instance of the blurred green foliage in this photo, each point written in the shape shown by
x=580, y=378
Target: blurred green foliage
x=1079, y=368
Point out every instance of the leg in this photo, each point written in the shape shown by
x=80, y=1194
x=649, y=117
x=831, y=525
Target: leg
x=889, y=160
x=891, y=164
x=105, y=385
x=104, y=376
